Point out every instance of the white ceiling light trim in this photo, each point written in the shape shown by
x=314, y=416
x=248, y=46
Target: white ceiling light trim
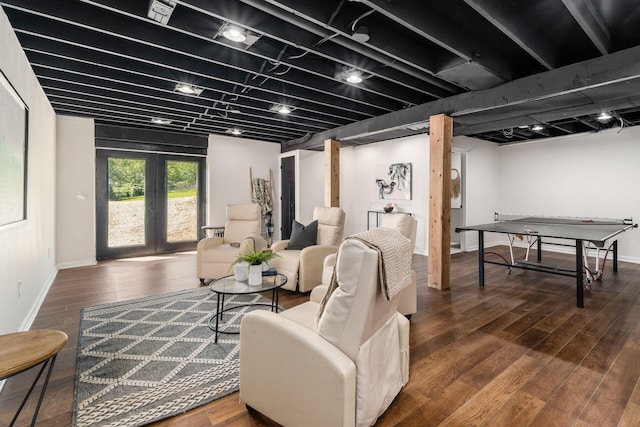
x=188, y=89
x=160, y=121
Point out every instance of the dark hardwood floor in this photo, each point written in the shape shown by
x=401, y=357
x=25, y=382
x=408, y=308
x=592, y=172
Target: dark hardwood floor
x=518, y=352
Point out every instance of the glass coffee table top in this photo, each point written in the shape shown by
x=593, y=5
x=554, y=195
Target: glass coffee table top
x=228, y=285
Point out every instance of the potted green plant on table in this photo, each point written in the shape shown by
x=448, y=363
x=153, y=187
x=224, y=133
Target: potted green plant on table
x=255, y=260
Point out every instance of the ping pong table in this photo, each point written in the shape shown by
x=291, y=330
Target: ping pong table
x=587, y=233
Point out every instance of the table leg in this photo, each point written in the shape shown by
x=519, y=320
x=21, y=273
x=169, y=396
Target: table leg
x=539, y=247
x=218, y=315
x=49, y=362
x=615, y=256
x=481, y=257
x=277, y=295
x=579, y=278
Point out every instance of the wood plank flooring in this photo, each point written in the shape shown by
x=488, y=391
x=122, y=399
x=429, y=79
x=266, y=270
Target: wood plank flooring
x=516, y=353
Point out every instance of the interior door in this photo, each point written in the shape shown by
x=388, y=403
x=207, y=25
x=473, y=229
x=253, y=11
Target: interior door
x=288, y=195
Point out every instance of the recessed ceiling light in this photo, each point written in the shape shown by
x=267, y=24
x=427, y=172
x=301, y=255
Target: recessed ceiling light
x=235, y=34
x=281, y=109
x=354, y=77
x=188, y=89
x=234, y=131
x=537, y=128
x=604, y=117
x=160, y=121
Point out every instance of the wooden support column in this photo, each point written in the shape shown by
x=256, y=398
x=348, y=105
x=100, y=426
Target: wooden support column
x=331, y=173
x=438, y=266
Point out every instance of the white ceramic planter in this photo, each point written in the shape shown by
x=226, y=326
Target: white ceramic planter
x=255, y=275
x=241, y=271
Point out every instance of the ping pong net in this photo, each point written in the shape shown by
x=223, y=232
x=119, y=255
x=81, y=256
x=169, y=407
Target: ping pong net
x=533, y=219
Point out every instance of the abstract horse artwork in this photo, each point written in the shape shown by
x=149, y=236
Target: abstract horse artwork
x=384, y=188
x=397, y=182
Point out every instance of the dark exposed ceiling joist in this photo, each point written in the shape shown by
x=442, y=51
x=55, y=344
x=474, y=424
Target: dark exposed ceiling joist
x=612, y=69
x=289, y=12
x=416, y=17
x=587, y=17
x=500, y=16
x=108, y=60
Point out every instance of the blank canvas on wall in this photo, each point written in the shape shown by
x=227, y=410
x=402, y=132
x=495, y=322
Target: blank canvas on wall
x=13, y=154
x=393, y=181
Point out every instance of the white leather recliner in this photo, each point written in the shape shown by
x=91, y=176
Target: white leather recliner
x=407, y=226
x=241, y=233
x=344, y=369
x=303, y=267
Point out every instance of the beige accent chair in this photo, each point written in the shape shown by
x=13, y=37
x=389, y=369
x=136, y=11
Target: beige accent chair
x=216, y=254
x=303, y=268
x=343, y=370
x=407, y=226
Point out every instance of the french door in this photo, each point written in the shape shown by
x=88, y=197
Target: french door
x=148, y=203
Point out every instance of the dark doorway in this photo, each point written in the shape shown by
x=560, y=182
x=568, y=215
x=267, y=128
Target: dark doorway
x=288, y=192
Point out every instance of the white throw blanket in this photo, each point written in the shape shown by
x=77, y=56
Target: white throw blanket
x=394, y=261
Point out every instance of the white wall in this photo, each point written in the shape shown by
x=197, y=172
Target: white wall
x=229, y=160
x=75, y=192
x=27, y=248
x=358, y=190
x=592, y=175
x=481, y=183
x=311, y=178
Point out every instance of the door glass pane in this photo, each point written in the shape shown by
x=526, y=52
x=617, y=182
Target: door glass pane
x=126, y=202
x=182, y=201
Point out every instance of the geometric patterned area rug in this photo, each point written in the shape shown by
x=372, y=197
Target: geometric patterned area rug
x=150, y=358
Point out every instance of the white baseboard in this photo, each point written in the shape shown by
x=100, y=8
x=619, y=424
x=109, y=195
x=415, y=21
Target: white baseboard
x=75, y=264
x=28, y=321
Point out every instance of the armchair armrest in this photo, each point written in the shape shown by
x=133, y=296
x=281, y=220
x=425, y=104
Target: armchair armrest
x=311, y=264
x=292, y=375
x=280, y=245
x=253, y=242
x=209, y=242
x=328, y=265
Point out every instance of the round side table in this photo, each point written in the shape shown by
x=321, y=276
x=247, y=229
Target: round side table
x=21, y=351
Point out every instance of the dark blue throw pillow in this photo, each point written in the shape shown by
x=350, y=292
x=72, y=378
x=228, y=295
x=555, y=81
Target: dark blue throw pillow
x=303, y=236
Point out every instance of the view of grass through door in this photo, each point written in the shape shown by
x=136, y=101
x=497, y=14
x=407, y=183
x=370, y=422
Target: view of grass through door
x=182, y=187
x=148, y=203
x=126, y=202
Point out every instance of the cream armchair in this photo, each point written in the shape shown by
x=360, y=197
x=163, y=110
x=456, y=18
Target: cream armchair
x=407, y=226
x=303, y=267
x=344, y=369
x=241, y=233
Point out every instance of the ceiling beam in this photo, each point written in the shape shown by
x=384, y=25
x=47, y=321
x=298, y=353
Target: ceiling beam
x=591, y=23
x=413, y=15
x=614, y=68
x=501, y=18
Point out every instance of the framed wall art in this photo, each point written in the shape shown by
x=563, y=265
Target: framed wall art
x=393, y=181
x=13, y=154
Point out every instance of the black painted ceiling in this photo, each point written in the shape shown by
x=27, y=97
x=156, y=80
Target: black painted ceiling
x=474, y=59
